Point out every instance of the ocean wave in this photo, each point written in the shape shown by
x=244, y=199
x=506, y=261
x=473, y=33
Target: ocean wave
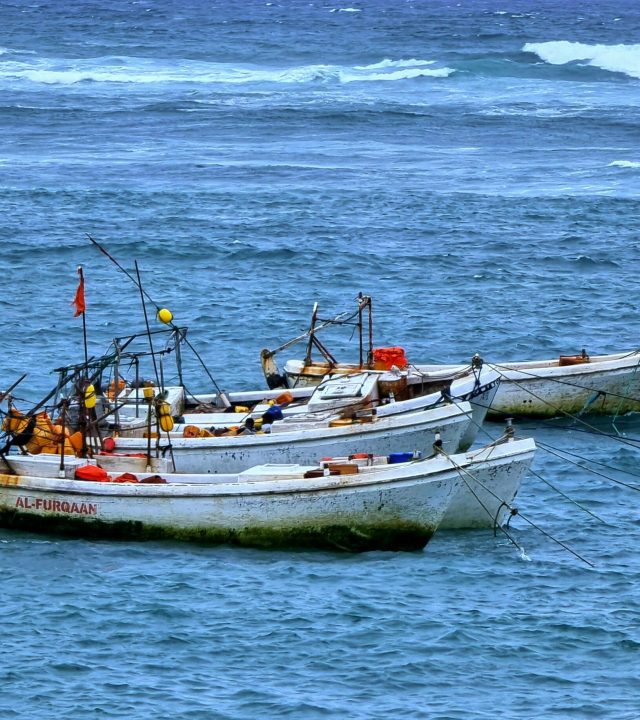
x=131, y=70
x=624, y=164
x=388, y=69
x=388, y=63
x=14, y=51
x=408, y=74
x=623, y=59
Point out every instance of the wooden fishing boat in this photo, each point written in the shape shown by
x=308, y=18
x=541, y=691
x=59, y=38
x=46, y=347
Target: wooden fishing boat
x=304, y=438
x=340, y=400
x=299, y=438
x=216, y=433
x=567, y=385
x=132, y=408
x=355, y=503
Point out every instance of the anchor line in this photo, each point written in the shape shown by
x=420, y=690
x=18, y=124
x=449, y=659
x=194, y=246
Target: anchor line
x=514, y=511
x=577, y=419
x=558, y=454
x=631, y=442
x=601, y=464
x=566, y=497
x=462, y=472
x=555, y=540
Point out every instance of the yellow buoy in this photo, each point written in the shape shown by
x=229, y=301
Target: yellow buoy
x=90, y=397
x=165, y=316
x=164, y=416
x=166, y=423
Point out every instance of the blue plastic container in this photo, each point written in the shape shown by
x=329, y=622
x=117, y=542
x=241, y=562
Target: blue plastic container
x=400, y=457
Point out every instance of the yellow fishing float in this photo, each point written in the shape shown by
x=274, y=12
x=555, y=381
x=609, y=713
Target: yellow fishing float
x=164, y=415
x=165, y=316
x=90, y=397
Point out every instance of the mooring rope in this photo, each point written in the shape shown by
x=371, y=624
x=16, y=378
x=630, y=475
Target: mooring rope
x=512, y=510
x=559, y=454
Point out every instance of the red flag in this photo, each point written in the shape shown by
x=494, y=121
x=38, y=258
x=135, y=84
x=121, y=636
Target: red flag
x=78, y=300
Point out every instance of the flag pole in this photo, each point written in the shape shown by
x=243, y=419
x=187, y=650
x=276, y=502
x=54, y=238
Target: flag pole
x=84, y=320
x=80, y=306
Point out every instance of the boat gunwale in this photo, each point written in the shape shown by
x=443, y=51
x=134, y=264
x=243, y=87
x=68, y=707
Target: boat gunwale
x=447, y=413
x=408, y=473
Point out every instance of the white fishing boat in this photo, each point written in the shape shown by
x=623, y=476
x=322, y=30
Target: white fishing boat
x=356, y=503
x=562, y=386
x=569, y=385
x=132, y=410
x=342, y=417
x=124, y=407
x=305, y=438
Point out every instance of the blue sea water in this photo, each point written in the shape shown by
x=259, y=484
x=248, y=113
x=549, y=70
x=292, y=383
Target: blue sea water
x=475, y=167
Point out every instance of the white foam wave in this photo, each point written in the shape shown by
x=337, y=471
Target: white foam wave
x=613, y=58
x=624, y=164
x=407, y=74
x=395, y=63
x=142, y=71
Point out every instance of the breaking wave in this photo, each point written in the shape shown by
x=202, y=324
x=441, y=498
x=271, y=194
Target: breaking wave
x=142, y=71
x=625, y=164
x=623, y=59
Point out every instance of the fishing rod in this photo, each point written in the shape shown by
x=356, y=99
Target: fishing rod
x=159, y=310
x=7, y=393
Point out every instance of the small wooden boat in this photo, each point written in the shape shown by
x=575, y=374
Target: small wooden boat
x=293, y=439
x=590, y=385
x=356, y=503
x=567, y=385
x=304, y=438
x=216, y=433
x=131, y=411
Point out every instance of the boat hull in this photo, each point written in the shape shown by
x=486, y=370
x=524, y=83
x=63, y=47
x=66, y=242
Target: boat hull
x=389, y=506
x=411, y=431
x=607, y=385
x=329, y=513
x=489, y=486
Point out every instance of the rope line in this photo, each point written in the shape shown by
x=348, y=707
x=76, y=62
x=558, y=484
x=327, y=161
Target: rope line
x=514, y=511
